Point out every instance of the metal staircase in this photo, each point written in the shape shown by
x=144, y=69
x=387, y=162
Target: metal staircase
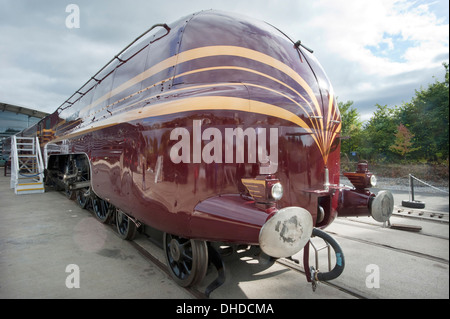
x=27, y=167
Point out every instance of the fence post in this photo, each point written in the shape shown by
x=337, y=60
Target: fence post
x=411, y=184
x=412, y=203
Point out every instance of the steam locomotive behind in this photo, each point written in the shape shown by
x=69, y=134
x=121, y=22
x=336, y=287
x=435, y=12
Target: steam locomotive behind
x=216, y=128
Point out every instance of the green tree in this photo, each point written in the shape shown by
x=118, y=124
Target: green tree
x=379, y=134
x=351, y=127
x=426, y=116
x=424, y=134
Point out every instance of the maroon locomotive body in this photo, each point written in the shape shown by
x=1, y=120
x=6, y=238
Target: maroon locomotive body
x=216, y=128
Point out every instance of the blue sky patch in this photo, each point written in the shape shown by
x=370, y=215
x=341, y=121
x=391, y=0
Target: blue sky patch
x=392, y=47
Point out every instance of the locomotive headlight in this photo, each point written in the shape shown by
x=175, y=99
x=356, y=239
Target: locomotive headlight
x=373, y=180
x=277, y=191
x=265, y=189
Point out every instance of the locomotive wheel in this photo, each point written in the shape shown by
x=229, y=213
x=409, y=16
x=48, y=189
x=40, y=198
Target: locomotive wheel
x=83, y=197
x=102, y=210
x=70, y=194
x=187, y=259
x=126, y=228
x=69, y=170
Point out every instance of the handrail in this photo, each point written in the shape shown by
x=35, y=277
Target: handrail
x=14, y=162
x=39, y=154
x=411, y=185
x=164, y=25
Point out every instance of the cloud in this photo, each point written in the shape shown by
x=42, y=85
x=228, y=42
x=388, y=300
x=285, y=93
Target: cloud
x=379, y=51
x=373, y=51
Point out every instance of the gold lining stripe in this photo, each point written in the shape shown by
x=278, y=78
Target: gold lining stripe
x=208, y=52
x=137, y=79
x=256, y=85
x=251, y=71
x=234, y=84
x=322, y=136
x=252, y=55
x=330, y=105
x=152, y=107
x=193, y=104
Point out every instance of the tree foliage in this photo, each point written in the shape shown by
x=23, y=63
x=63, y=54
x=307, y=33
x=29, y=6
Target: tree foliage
x=418, y=129
x=379, y=134
x=351, y=127
x=403, y=144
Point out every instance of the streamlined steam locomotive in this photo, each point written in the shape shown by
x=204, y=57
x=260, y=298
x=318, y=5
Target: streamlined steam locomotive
x=213, y=129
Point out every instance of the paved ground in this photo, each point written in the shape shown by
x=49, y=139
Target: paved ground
x=45, y=240
x=43, y=235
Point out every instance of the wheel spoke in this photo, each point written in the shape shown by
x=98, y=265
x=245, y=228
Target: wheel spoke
x=187, y=256
x=125, y=227
x=186, y=269
x=187, y=259
x=186, y=244
x=103, y=208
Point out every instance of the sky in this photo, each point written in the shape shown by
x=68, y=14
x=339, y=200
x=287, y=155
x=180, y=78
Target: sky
x=373, y=51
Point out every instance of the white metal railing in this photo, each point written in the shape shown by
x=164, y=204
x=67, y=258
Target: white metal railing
x=27, y=166
x=50, y=149
x=14, y=162
x=39, y=156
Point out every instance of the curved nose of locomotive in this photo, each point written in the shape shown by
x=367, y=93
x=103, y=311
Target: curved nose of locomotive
x=286, y=232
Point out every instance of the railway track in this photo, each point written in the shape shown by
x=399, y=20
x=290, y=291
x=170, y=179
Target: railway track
x=162, y=266
x=296, y=267
x=197, y=294
x=421, y=214
x=395, y=249
x=150, y=257
x=344, y=231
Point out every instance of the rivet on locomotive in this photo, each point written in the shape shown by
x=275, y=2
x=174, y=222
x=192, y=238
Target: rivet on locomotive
x=217, y=130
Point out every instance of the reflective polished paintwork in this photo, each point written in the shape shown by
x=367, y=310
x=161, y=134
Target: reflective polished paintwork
x=227, y=71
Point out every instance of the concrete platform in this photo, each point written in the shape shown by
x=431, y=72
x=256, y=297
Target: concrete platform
x=45, y=239
x=43, y=235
